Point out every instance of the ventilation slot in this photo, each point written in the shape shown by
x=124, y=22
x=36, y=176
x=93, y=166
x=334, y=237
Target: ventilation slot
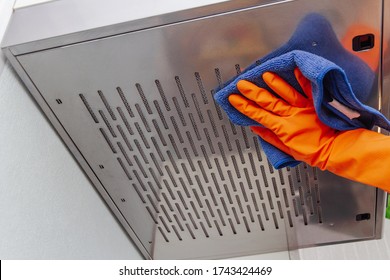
x=124, y=169
x=107, y=123
x=107, y=140
x=124, y=138
x=201, y=88
x=200, y=115
x=179, y=111
x=125, y=121
x=144, y=99
x=108, y=107
x=204, y=230
x=141, y=114
x=139, y=130
x=89, y=108
x=124, y=153
x=162, y=94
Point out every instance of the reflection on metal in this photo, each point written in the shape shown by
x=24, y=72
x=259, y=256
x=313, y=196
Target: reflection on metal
x=137, y=111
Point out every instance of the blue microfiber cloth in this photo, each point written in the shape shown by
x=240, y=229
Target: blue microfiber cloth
x=313, y=48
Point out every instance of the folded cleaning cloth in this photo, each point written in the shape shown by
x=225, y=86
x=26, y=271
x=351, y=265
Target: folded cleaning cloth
x=314, y=48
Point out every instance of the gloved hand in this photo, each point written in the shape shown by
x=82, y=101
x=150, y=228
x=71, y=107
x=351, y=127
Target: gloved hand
x=292, y=125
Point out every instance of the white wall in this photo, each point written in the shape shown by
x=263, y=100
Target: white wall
x=5, y=14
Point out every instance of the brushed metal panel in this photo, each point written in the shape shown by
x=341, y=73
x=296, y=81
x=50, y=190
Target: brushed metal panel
x=139, y=108
x=33, y=28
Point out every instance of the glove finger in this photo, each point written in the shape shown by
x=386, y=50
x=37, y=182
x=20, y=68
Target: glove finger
x=304, y=83
x=253, y=111
x=264, y=98
x=270, y=137
x=284, y=90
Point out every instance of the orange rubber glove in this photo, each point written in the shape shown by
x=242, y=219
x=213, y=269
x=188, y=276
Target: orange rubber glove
x=292, y=125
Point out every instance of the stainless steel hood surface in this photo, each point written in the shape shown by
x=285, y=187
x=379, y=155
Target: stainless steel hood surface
x=136, y=109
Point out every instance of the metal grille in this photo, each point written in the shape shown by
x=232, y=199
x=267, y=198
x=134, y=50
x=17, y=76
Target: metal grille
x=196, y=173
